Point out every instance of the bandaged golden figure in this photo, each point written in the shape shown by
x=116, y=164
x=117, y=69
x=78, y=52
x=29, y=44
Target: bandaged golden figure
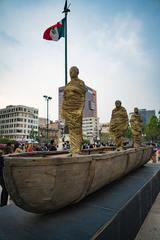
x=119, y=124
x=136, y=127
x=72, y=109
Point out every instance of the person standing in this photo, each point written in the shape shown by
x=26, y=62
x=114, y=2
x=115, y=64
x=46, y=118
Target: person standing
x=18, y=148
x=8, y=148
x=119, y=124
x=29, y=148
x=136, y=127
x=52, y=146
x=72, y=109
x=4, y=193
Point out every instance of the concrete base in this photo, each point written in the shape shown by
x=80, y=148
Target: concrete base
x=115, y=212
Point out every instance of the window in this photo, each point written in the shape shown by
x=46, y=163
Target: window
x=19, y=130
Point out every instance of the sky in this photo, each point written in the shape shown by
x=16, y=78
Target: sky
x=115, y=45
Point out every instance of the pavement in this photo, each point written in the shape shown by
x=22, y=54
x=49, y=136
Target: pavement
x=150, y=229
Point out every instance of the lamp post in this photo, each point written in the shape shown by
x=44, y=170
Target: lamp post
x=47, y=98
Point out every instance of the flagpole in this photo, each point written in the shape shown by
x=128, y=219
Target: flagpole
x=66, y=10
x=66, y=63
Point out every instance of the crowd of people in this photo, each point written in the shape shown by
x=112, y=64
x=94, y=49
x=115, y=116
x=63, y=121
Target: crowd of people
x=11, y=148
x=28, y=147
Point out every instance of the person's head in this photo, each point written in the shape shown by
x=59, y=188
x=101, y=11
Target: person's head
x=16, y=145
x=9, y=144
x=136, y=110
x=74, y=71
x=52, y=141
x=118, y=103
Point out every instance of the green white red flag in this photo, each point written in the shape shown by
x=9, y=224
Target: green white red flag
x=55, y=32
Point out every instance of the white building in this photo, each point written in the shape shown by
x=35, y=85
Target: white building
x=18, y=122
x=104, y=127
x=90, y=127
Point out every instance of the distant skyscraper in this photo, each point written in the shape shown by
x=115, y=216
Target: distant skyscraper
x=90, y=108
x=146, y=115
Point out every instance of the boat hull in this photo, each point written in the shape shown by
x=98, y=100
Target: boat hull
x=47, y=183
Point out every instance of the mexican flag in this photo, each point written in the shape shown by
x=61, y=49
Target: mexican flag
x=55, y=32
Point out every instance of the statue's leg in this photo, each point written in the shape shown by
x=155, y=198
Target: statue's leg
x=119, y=143
x=75, y=135
x=137, y=140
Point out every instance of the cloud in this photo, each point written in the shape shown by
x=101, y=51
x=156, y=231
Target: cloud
x=8, y=39
x=113, y=60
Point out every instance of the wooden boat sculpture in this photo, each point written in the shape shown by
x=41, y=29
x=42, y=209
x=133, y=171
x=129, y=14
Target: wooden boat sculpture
x=42, y=183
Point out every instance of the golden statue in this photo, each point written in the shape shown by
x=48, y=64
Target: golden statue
x=72, y=109
x=119, y=124
x=136, y=127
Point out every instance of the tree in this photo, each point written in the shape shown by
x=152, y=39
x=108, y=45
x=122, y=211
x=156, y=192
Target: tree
x=128, y=133
x=152, y=129
x=105, y=138
x=33, y=135
x=4, y=140
x=85, y=139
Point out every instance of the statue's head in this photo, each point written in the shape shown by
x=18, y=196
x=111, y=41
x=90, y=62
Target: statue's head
x=74, y=71
x=136, y=110
x=118, y=103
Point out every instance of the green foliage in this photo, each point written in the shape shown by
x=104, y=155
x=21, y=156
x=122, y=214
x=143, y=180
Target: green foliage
x=152, y=129
x=86, y=141
x=105, y=137
x=6, y=140
x=34, y=135
x=128, y=133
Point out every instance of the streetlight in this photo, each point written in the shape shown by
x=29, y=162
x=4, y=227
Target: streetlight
x=47, y=98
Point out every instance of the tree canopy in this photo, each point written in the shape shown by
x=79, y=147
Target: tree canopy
x=152, y=130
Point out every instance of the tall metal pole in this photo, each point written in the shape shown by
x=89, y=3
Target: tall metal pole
x=47, y=119
x=47, y=98
x=66, y=10
x=66, y=64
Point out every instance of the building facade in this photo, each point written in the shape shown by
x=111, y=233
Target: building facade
x=146, y=115
x=90, y=127
x=90, y=108
x=90, y=120
x=104, y=127
x=53, y=131
x=18, y=122
x=42, y=122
